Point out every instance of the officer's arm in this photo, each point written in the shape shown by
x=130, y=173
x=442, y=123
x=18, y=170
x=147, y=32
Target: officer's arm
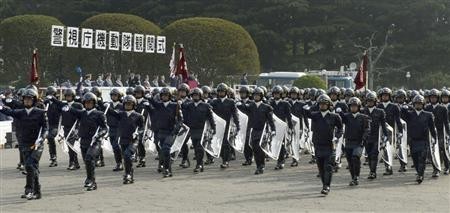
x=383, y=123
x=234, y=113
x=9, y=112
x=432, y=127
x=141, y=123
x=211, y=118
x=397, y=119
x=339, y=126
x=44, y=125
x=445, y=117
x=289, y=116
x=404, y=112
x=366, y=123
x=270, y=119
x=101, y=122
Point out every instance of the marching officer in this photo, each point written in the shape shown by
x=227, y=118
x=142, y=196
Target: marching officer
x=141, y=103
x=378, y=119
x=282, y=109
x=130, y=125
x=260, y=114
x=440, y=114
x=445, y=98
x=420, y=125
x=101, y=107
x=53, y=115
x=196, y=114
x=92, y=129
x=226, y=109
x=183, y=92
x=327, y=129
x=357, y=129
x=297, y=110
x=392, y=112
x=169, y=117
x=244, y=93
x=33, y=122
x=113, y=124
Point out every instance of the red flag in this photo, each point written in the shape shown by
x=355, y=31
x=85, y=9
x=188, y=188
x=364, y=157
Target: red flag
x=182, y=66
x=34, y=77
x=360, y=79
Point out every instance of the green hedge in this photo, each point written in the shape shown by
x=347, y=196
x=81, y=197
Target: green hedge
x=310, y=81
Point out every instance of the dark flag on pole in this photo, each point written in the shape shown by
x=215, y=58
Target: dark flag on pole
x=34, y=77
x=360, y=79
x=182, y=66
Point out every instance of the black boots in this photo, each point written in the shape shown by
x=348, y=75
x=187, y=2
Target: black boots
x=118, y=167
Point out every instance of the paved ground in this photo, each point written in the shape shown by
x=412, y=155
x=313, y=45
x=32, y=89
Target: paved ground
x=234, y=190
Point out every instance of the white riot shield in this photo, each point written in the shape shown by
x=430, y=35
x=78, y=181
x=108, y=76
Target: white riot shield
x=388, y=150
x=339, y=148
x=272, y=145
x=293, y=140
x=237, y=139
x=435, y=155
x=179, y=140
x=107, y=148
x=402, y=144
x=213, y=143
x=149, y=138
x=76, y=147
x=64, y=147
x=447, y=146
x=308, y=140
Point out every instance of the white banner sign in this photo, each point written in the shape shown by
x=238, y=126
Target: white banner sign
x=102, y=40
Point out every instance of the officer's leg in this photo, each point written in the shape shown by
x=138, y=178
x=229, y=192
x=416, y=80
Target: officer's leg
x=184, y=152
x=128, y=154
x=29, y=186
x=320, y=161
x=165, y=150
x=199, y=153
x=356, y=164
x=225, y=154
x=444, y=157
x=281, y=158
x=84, y=150
x=92, y=154
x=141, y=152
x=248, y=152
x=328, y=169
x=372, y=152
x=258, y=153
x=421, y=163
x=113, y=139
x=52, y=146
x=348, y=156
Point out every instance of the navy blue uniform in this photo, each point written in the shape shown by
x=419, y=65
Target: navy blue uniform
x=282, y=109
x=440, y=114
x=378, y=119
x=248, y=153
x=420, y=125
x=113, y=124
x=32, y=121
x=325, y=128
x=53, y=115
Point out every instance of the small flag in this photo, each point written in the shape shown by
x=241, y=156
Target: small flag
x=34, y=77
x=360, y=79
x=182, y=66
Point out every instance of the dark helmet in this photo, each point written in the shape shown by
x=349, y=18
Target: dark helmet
x=139, y=89
x=129, y=91
x=51, y=90
x=21, y=91
x=320, y=92
x=277, y=89
x=435, y=92
x=400, y=93
x=371, y=96
x=418, y=99
x=206, y=89
x=30, y=93
x=258, y=91
x=184, y=87
x=349, y=92
x=294, y=90
x=33, y=87
x=426, y=93
x=413, y=94
x=115, y=91
x=70, y=92
x=222, y=87
x=301, y=91
x=89, y=96
x=155, y=91
x=264, y=90
x=324, y=98
x=354, y=101
x=213, y=91
x=312, y=92
x=285, y=89
x=386, y=90
x=445, y=93
x=334, y=90
x=96, y=91
x=165, y=91
x=85, y=90
x=197, y=91
x=129, y=99
x=244, y=89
